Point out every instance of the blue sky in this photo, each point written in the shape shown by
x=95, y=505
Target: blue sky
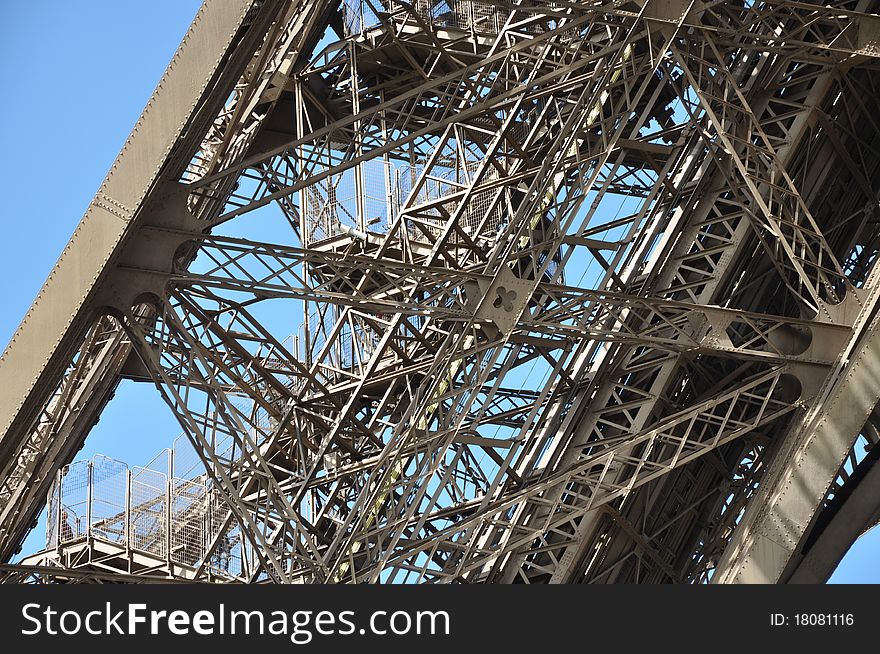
x=75, y=78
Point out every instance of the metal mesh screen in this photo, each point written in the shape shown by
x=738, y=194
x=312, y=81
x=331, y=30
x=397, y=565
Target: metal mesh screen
x=227, y=557
x=148, y=511
x=53, y=506
x=462, y=14
x=440, y=182
x=73, y=518
x=331, y=205
x=483, y=17
x=188, y=518
x=187, y=464
x=108, y=499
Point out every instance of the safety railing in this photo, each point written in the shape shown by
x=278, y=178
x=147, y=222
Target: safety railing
x=467, y=15
x=142, y=510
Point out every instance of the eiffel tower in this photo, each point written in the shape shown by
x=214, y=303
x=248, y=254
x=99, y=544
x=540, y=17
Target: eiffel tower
x=564, y=291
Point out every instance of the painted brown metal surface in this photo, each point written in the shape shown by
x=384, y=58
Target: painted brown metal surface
x=579, y=289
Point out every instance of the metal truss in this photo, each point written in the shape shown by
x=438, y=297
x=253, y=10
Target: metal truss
x=453, y=291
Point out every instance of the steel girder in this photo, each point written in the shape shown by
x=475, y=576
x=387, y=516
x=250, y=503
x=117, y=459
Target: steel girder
x=451, y=409
x=219, y=125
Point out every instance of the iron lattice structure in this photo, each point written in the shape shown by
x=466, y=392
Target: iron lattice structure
x=454, y=291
